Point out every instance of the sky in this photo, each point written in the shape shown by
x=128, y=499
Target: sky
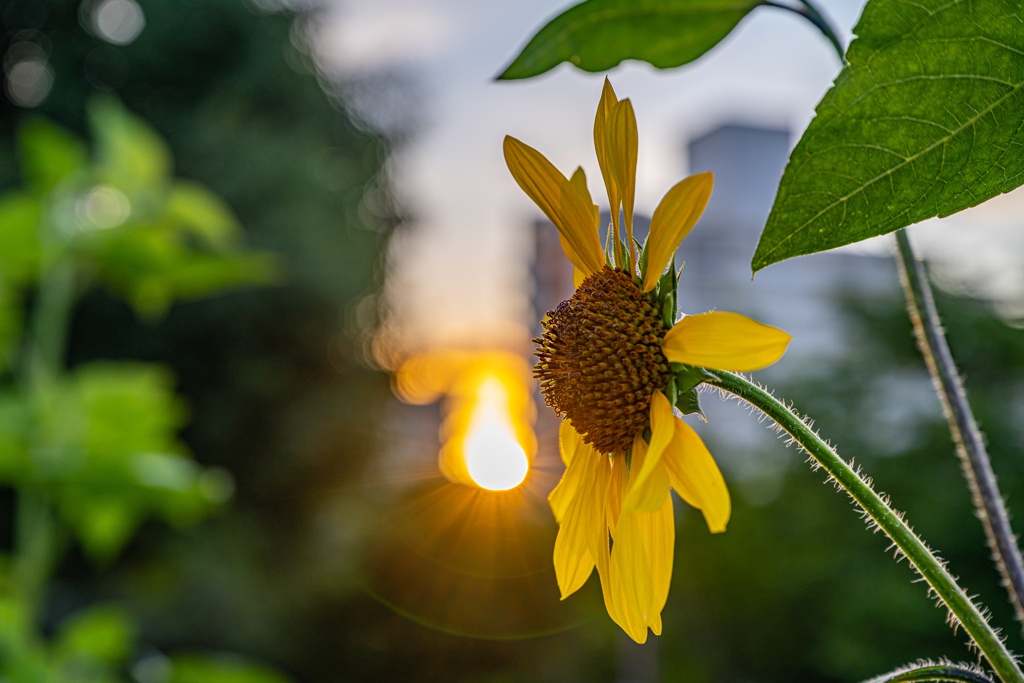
x=458, y=276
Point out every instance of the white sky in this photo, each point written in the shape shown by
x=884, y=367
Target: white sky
x=460, y=276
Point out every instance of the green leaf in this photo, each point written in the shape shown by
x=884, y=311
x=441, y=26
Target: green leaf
x=221, y=668
x=10, y=327
x=130, y=154
x=200, y=211
x=109, y=456
x=926, y=120
x=152, y=267
x=15, y=423
x=49, y=153
x=103, y=633
x=597, y=35
x=20, y=214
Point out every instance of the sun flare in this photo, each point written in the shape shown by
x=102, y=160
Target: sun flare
x=494, y=457
x=486, y=432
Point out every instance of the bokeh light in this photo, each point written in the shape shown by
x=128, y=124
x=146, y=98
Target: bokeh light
x=494, y=458
x=117, y=21
x=487, y=437
x=29, y=76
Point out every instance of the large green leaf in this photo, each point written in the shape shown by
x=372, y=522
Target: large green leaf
x=926, y=120
x=598, y=34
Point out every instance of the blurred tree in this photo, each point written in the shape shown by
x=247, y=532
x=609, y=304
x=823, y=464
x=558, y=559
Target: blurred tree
x=275, y=390
x=92, y=453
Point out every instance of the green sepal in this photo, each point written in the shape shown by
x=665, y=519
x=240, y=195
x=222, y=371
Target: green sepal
x=665, y=282
x=688, y=376
x=668, y=310
x=686, y=379
x=688, y=402
x=623, y=255
x=666, y=293
x=671, y=393
x=608, y=246
x=643, y=260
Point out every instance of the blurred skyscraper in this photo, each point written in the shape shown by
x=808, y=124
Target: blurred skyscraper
x=799, y=295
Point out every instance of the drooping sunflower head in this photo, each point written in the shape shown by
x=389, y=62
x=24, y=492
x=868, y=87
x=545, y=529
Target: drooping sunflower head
x=617, y=365
x=600, y=359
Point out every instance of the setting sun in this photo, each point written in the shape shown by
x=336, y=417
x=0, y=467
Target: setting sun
x=487, y=439
x=494, y=458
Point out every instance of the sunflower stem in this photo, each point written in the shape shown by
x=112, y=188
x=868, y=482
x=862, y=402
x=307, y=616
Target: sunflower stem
x=962, y=609
x=970, y=446
x=921, y=672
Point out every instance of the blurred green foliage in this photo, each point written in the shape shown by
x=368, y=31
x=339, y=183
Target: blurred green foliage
x=123, y=194
x=93, y=452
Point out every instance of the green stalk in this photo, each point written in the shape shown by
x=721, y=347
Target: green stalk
x=888, y=520
x=49, y=328
x=35, y=552
x=970, y=446
x=36, y=534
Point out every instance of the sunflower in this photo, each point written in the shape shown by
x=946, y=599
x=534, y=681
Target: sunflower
x=616, y=366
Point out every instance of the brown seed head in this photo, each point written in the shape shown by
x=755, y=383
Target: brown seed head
x=600, y=360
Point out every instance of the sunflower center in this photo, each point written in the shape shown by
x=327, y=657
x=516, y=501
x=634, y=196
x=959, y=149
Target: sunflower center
x=600, y=360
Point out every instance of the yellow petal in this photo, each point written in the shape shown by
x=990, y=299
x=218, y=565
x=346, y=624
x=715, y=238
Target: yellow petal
x=562, y=495
x=604, y=109
x=570, y=443
x=559, y=200
x=579, y=181
x=695, y=476
x=578, y=276
x=659, y=529
x=622, y=152
x=612, y=587
x=597, y=523
x=655, y=624
x=572, y=558
x=631, y=569
x=640, y=570
x=617, y=491
x=724, y=341
x=672, y=221
x=648, y=483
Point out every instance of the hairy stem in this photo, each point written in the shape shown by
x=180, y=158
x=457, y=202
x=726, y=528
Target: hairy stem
x=970, y=445
x=961, y=608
